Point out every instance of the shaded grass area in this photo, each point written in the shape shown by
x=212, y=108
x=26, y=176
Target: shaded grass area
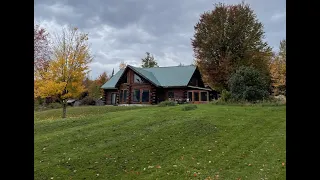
x=74, y=112
x=221, y=142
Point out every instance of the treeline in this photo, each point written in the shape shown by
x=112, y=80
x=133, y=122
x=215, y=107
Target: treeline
x=233, y=57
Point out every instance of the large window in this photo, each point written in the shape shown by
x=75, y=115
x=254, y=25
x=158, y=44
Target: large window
x=196, y=96
x=137, y=79
x=145, y=95
x=136, y=95
x=123, y=96
x=190, y=95
x=204, y=96
x=141, y=95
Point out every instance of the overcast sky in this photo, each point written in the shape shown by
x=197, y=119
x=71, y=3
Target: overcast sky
x=123, y=30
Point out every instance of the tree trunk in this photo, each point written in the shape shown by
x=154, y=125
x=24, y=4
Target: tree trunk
x=64, y=109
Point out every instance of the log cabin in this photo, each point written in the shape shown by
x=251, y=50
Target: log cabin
x=134, y=85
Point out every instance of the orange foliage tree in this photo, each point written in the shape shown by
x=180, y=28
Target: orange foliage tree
x=278, y=70
x=95, y=89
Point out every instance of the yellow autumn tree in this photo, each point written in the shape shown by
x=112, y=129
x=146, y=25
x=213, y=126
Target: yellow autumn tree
x=67, y=69
x=278, y=70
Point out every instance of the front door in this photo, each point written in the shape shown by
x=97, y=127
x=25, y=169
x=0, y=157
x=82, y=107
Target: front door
x=113, y=98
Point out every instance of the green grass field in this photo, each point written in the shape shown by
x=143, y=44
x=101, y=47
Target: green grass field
x=210, y=142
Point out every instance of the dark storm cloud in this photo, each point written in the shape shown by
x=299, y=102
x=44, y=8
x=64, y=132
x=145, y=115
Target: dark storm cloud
x=123, y=30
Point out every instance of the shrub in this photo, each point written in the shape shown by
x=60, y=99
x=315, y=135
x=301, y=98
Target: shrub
x=54, y=105
x=218, y=101
x=37, y=106
x=45, y=106
x=225, y=96
x=94, y=90
x=88, y=101
x=38, y=101
x=166, y=103
x=99, y=102
x=269, y=101
x=189, y=107
x=247, y=84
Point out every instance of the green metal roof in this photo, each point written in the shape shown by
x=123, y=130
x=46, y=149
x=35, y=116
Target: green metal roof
x=160, y=76
x=111, y=83
x=147, y=74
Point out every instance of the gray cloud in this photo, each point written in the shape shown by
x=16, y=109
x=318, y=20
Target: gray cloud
x=124, y=30
x=278, y=16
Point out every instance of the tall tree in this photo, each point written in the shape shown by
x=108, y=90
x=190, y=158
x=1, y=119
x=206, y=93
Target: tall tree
x=112, y=72
x=226, y=38
x=122, y=65
x=41, y=50
x=283, y=50
x=102, y=79
x=149, y=61
x=86, y=82
x=68, y=68
x=94, y=88
x=278, y=70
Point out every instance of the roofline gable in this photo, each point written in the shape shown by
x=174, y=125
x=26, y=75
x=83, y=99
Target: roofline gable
x=193, y=74
x=135, y=71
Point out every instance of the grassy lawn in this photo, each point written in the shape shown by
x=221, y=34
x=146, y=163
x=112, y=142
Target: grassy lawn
x=216, y=141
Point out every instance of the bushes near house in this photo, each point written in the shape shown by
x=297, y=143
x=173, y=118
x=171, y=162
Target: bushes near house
x=270, y=101
x=225, y=96
x=45, y=106
x=54, y=105
x=248, y=84
x=189, y=107
x=166, y=103
x=88, y=100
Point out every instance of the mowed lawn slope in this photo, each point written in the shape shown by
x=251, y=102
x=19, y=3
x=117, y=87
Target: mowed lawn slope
x=216, y=141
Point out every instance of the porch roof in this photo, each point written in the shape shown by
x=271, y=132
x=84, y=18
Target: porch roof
x=195, y=87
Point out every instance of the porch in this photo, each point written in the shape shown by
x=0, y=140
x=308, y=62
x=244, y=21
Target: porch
x=144, y=96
